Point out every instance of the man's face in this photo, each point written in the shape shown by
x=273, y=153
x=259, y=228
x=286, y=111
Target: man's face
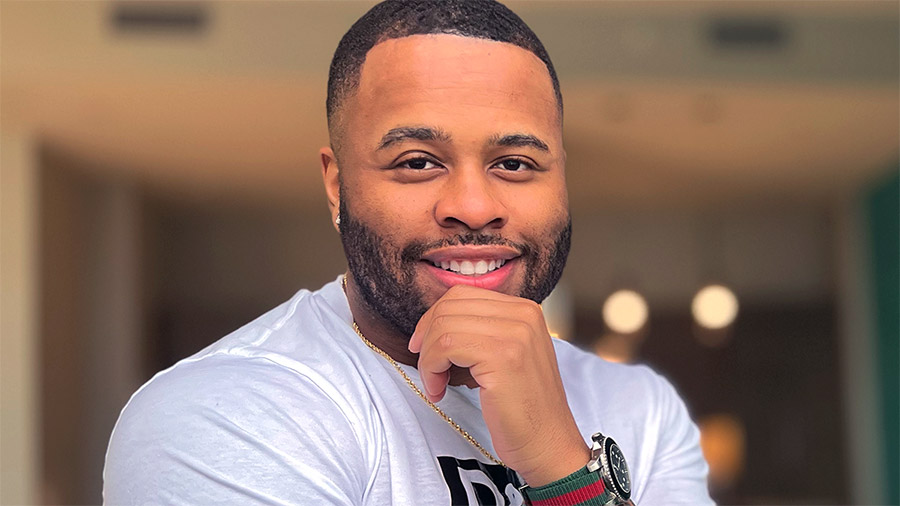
x=452, y=171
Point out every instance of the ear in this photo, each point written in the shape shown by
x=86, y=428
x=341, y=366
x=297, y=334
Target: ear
x=330, y=176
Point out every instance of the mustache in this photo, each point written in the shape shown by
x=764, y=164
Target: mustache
x=413, y=252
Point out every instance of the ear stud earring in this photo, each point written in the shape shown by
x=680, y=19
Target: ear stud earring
x=337, y=220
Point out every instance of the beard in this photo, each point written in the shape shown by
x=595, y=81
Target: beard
x=385, y=274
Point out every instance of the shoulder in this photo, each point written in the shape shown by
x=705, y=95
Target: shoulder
x=647, y=418
x=281, y=368
x=279, y=401
x=221, y=382
x=232, y=398
x=220, y=424
x=633, y=402
x=624, y=385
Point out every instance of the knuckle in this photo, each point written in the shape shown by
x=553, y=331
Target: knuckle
x=522, y=330
x=445, y=341
x=439, y=306
x=535, y=310
x=513, y=355
x=438, y=321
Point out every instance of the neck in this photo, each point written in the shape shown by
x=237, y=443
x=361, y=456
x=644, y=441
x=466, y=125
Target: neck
x=383, y=335
x=378, y=331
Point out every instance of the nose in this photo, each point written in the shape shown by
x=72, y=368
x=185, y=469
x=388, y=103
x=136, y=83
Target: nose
x=470, y=199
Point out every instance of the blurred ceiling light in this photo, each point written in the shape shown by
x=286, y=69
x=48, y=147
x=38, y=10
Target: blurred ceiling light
x=715, y=307
x=723, y=441
x=616, y=348
x=625, y=312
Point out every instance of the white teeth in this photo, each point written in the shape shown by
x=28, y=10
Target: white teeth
x=470, y=267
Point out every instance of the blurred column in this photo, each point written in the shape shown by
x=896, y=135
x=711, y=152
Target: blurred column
x=19, y=416
x=113, y=333
x=860, y=393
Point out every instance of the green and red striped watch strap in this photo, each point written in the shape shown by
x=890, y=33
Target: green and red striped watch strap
x=579, y=488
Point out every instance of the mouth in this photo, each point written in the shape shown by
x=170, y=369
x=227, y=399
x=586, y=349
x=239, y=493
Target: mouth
x=486, y=267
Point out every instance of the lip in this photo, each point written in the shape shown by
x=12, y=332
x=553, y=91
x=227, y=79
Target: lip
x=471, y=253
x=493, y=280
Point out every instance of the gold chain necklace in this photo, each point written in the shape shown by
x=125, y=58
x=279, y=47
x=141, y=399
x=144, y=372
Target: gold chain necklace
x=468, y=437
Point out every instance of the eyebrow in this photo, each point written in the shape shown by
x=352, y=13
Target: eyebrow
x=401, y=134
x=520, y=140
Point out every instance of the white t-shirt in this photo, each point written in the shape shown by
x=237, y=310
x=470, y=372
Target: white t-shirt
x=294, y=408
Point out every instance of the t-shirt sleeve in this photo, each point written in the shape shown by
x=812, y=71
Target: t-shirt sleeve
x=234, y=431
x=679, y=471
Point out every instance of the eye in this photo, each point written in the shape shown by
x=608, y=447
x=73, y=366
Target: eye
x=514, y=165
x=516, y=169
x=419, y=163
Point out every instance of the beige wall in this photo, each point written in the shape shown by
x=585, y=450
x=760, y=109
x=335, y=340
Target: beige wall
x=20, y=418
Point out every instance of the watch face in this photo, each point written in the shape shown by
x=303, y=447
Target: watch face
x=618, y=469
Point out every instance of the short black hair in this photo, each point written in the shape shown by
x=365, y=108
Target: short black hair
x=394, y=19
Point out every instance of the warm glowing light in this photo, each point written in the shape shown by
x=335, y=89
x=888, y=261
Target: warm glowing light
x=723, y=440
x=715, y=307
x=615, y=348
x=625, y=312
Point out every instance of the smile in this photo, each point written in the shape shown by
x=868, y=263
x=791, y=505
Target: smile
x=470, y=267
x=483, y=266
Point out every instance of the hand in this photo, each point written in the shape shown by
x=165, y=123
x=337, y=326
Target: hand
x=504, y=343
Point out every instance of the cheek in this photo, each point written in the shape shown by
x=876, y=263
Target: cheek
x=399, y=215
x=540, y=215
x=396, y=211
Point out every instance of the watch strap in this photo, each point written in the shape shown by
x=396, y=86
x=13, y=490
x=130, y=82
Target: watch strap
x=579, y=488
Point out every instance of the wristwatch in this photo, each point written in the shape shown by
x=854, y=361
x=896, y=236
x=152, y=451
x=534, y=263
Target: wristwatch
x=607, y=460
x=604, y=480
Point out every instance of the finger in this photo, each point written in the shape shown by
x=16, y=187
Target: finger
x=490, y=328
x=462, y=304
x=481, y=311
x=451, y=348
x=435, y=385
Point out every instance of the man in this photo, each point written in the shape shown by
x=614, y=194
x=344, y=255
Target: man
x=426, y=374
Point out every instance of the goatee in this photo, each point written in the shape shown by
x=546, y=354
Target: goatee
x=385, y=274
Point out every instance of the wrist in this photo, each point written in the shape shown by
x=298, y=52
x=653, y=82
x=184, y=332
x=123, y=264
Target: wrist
x=554, y=467
x=604, y=480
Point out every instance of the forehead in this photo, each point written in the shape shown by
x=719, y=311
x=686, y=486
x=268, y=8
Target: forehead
x=455, y=80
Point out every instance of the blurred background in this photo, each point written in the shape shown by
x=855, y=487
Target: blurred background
x=733, y=171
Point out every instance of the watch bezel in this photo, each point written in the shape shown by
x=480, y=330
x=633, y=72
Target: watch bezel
x=601, y=450
x=621, y=491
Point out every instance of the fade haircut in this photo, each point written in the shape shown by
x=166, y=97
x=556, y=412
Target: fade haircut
x=394, y=19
